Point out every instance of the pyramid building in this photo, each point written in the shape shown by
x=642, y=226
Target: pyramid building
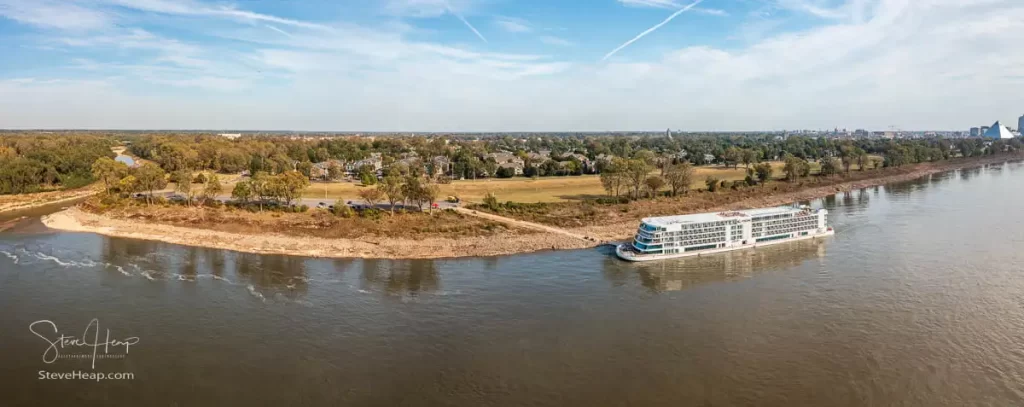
x=998, y=131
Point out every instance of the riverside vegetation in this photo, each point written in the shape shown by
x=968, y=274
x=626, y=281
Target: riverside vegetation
x=637, y=182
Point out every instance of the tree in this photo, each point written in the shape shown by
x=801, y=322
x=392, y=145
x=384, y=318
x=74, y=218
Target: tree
x=506, y=172
x=183, y=178
x=829, y=167
x=750, y=156
x=242, y=192
x=109, y=171
x=391, y=188
x=128, y=185
x=334, y=171
x=368, y=175
x=291, y=184
x=371, y=196
x=613, y=176
x=431, y=192
x=795, y=168
x=150, y=178
x=680, y=177
x=259, y=184
x=653, y=184
x=212, y=187
x=764, y=172
x=733, y=156
x=862, y=159
x=305, y=167
x=636, y=172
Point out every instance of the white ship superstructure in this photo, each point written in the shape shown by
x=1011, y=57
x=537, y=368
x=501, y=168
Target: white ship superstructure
x=689, y=235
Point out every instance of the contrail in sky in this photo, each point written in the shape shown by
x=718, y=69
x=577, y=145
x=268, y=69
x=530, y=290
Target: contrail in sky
x=652, y=29
x=279, y=30
x=464, y=21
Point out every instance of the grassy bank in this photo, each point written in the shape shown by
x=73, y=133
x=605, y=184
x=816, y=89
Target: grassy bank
x=591, y=216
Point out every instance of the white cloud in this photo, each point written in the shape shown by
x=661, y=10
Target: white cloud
x=672, y=5
x=552, y=40
x=53, y=14
x=711, y=11
x=513, y=25
x=667, y=4
x=191, y=8
x=936, y=64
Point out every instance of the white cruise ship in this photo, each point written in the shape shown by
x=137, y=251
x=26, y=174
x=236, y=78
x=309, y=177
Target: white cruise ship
x=670, y=237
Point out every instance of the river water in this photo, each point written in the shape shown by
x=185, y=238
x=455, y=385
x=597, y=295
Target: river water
x=918, y=300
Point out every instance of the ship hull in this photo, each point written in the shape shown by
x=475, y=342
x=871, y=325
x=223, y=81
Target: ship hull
x=623, y=253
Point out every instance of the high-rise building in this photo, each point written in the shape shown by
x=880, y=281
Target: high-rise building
x=975, y=132
x=984, y=129
x=1020, y=125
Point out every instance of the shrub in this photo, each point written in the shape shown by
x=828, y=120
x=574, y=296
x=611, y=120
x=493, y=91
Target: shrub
x=374, y=213
x=612, y=200
x=491, y=201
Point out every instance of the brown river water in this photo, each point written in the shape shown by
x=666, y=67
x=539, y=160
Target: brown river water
x=917, y=301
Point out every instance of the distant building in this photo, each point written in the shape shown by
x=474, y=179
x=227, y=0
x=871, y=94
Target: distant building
x=230, y=136
x=998, y=131
x=1020, y=125
x=668, y=133
x=517, y=167
x=975, y=132
x=984, y=129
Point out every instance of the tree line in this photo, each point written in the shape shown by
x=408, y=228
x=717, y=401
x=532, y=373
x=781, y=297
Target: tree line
x=31, y=163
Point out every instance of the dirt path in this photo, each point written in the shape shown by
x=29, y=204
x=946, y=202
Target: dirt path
x=525, y=224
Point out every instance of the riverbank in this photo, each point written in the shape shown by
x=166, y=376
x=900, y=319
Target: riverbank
x=11, y=203
x=314, y=235
x=498, y=243
x=618, y=229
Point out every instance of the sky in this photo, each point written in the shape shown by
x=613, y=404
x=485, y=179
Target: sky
x=511, y=65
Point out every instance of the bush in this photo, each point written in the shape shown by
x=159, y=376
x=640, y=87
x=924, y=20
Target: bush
x=341, y=209
x=491, y=201
x=73, y=181
x=612, y=200
x=303, y=208
x=373, y=213
x=712, y=183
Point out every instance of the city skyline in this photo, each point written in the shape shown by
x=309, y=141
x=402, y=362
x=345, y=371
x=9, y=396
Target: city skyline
x=505, y=66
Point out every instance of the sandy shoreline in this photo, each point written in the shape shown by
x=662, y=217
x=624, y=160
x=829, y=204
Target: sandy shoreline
x=32, y=201
x=505, y=243
x=77, y=220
